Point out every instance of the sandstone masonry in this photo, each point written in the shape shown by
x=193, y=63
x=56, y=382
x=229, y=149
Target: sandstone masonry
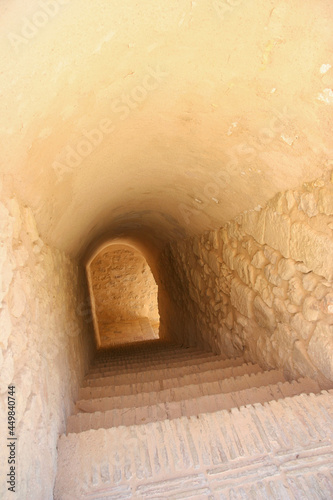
x=45, y=345
x=262, y=284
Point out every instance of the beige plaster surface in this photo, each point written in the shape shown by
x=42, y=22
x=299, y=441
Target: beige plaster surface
x=161, y=120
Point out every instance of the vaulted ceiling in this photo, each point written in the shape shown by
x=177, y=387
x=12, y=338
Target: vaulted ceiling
x=158, y=119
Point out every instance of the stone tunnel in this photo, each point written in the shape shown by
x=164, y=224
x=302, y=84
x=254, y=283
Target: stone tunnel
x=166, y=253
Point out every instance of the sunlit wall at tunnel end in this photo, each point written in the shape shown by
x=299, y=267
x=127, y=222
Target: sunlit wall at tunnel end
x=123, y=294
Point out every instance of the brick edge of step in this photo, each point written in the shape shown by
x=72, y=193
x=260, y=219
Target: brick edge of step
x=246, y=381
x=158, y=385
x=286, y=389
x=155, y=372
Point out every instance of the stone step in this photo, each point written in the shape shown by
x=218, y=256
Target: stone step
x=277, y=450
x=179, y=393
x=94, y=415
x=158, y=372
x=138, y=347
x=145, y=364
x=133, y=349
x=114, y=356
x=168, y=383
x=143, y=357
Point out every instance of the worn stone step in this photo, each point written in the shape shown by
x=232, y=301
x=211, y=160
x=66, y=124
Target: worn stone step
x=168, y=383
x=133, y=350
x=144, y=357
x=151, y=362
x=183, y=392
x=91, y=414
x=137, y=348
x=141, y=365
x=114, y=356
x=159, y=373
x=276, y=450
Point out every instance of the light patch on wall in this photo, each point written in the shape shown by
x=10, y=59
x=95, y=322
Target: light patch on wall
x=326, y=96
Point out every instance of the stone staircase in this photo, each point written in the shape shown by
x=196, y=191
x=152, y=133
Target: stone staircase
x=157, y=421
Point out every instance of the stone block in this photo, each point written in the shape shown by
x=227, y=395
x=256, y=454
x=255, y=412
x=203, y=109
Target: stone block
x=279, y=292
x=311, y=309
x=302, y=268
x=325, y=200
x=214, y=239
x=245, y=271
x=241, y=297
x=320, y=291
x=223, y=233
x=262, y=287
x=290, y=200
x=321, y=349
x=281, y=312
x=271, y=255
x=277, y=203
x=302, y=362
x=283, y=341
x=310, y=281
x=229, y=320
x=213, y=262
x=225, y=279
x=303, y=327
x=228, y=255
x=296, y=293
x=235, y=230
x=251, y=246
x=286, y=269
x=263, y=314
x=272, y=275
x=196, y=248
x=254, y=224
x=291, y=307
x=277, y=231
x=259, y=260
x=327, y=303
x=312, y=247
x=308, y=204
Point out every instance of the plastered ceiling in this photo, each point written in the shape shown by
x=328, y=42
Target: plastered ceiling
x=161, y=119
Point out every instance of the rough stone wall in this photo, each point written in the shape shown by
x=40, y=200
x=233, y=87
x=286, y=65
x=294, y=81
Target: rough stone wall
x=123, y=286
x=45, y=347
x=262, y=284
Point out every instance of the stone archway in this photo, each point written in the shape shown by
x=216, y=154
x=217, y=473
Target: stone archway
x=124, y=296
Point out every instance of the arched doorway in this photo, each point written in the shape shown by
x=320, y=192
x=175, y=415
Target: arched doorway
x=123, y=295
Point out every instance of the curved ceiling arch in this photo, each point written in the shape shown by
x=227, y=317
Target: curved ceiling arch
x=161, y=121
